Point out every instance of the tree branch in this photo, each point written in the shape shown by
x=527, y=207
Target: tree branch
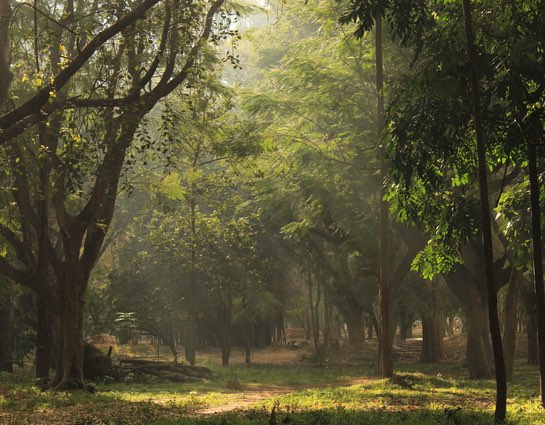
x=41, y=98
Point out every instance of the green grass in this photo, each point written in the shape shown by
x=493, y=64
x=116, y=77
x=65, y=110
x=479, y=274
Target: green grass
x=420, y=394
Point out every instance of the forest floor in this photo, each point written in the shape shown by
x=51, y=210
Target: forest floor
x=344, y=390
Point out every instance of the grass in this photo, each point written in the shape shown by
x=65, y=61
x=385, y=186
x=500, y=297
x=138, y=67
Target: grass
x=420, y=394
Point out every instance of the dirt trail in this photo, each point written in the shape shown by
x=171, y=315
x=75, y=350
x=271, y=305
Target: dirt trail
x=248, y=397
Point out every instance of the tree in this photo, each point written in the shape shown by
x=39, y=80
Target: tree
x=66, y=213
x=369, y=14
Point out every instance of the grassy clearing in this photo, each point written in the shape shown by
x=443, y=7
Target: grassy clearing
x=345, y=394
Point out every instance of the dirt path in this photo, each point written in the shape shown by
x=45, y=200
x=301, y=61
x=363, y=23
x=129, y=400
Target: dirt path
x=249, y=397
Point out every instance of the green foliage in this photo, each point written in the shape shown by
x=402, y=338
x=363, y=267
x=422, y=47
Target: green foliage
x=408, y=20
x=432, y=148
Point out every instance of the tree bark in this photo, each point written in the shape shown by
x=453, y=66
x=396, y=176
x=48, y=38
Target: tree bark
x=538, y=264
x=191, y=333
x=7, y=311
x=432, y=329
x=354, y=324
x=43, y=331
x=5, y=51
x=510, y=324
x=69, y=367
x=493, y=321
x=386, y=363
x=531, y=327
x=478, y=343
x=465, y=287
x=224, y=327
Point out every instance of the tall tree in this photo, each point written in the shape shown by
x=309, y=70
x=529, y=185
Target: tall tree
x=136, y=66
x=537, y=256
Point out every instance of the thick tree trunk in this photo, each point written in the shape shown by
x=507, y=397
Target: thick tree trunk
x=69, y=362
x=495, y=332
x=478, y=343
x=465, y=287
x=386, y=363
x=432, y=329
x=189, y=341
x=354, y=324
x=43, y=333
x=510, y=323
x=406, y=328
x=7, y=311
x=538, y=264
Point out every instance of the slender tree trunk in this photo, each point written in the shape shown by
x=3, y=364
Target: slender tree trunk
x=47, y=133
x=531, y=327
x=313, y=314
x=386, y=363
x=510, y=324
x=225, y=330
x=375, y=323
x=7, y=311
x=322, y=352
x=5, y=51
x=370, y=326
x=191, y=333
x=538, y=264
x=495, y=332
x=248, y=344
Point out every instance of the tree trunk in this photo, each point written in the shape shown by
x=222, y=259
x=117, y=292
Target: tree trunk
x=43, y=331
x=334, y=325
x=224, y=326
x=248, y=344
x=354, y=324
x=314, y=317
x=191, y=329
x=322, y=352
x=538, y=264
x=386, y=363
x=477, y=340
x=5, y=51
x=374, y=322
x=432, y=329
x=531, y=327
x=449, y=326
x=406, y=326
x=493, y=321
x=69, y=368
x=7, y=312
x=370, y=326
x=510, y=323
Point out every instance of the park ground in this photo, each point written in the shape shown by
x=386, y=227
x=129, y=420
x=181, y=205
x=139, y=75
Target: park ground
x=344, y=390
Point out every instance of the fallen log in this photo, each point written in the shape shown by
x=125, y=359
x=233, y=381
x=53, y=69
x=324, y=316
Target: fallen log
x=172, y=376
x=195, y=371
